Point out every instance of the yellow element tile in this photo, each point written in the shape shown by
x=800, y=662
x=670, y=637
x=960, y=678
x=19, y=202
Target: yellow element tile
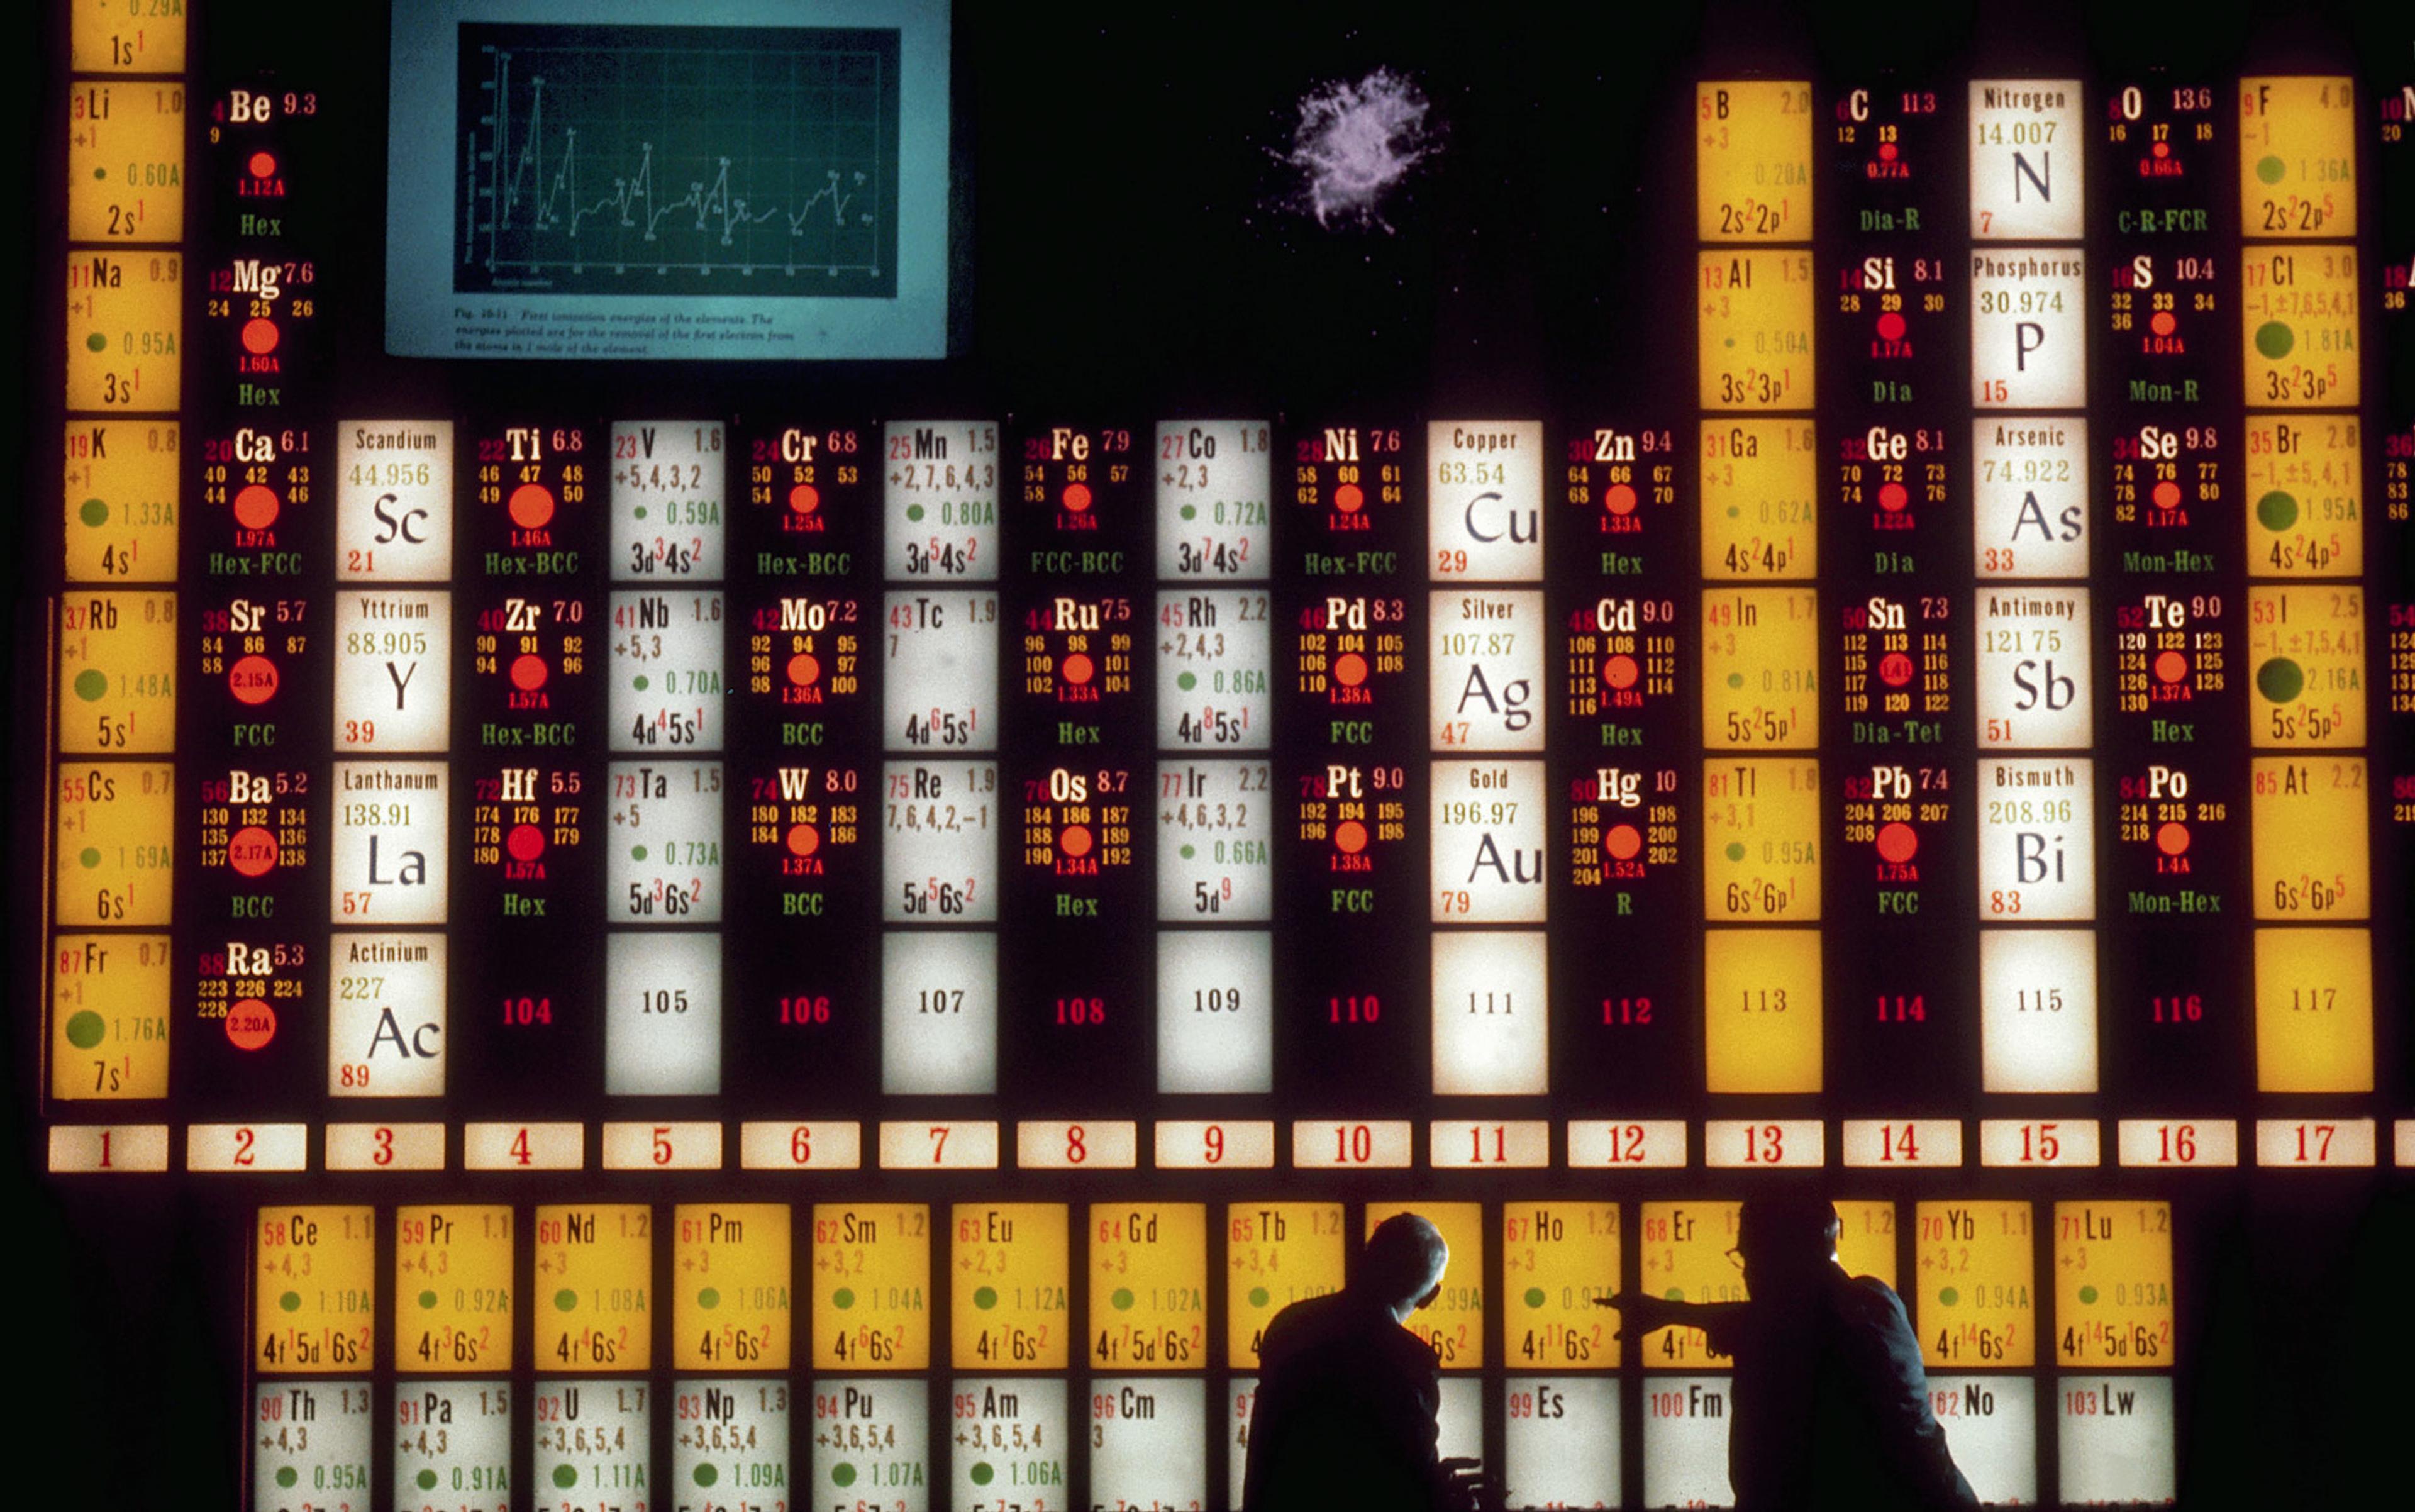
x=871, y=1286
x=1761, y=668
x=1275, y=1254
x=1974, y=1309
x=2314, y=1010
x=1009, y=1264
x=2113, y=1285
x=595, y=1288
x=730, y=1299
x=109, y=1016
x=1761, y=1010
x=314, y=1289
x=453, y=1289
x=1761, y=840
x=1149, y=1286
x=117, y=679
x=1558, y=1261
x=2297, y=156
x=1752, y=161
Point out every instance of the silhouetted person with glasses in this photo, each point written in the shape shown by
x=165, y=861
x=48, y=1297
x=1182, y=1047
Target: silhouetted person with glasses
x=1831, y=1403
x=1347, y=1400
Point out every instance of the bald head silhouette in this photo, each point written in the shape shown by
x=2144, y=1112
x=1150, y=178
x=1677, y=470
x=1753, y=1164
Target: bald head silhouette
x=1401, y=1268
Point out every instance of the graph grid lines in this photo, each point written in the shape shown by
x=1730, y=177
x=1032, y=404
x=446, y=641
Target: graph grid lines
x=628, y=159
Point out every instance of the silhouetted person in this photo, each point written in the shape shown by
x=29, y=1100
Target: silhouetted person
x=1347, y=1400
x=1831, y=1404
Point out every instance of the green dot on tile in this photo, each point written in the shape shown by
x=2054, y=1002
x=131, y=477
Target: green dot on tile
x=1675, y=1293
x=89, y=856
x=914, y=512
x=2280, y=680
x=100, y=172
x=2274, y=339
x=290, y=1302
x=1533, y=1296
x=1191, y=512
x=1948, y=1298
x=985, y=1298
x=1122, y=1300
x=565, y=1300
x=641, y=512
x=1190, y=851
x=93, y=512
x=2276, y=511
x=1187, y=681
x=843, y=1298
x=1730, y=341
x=1258, y=1297
x=641, y=682
x=636, y=853
x=708, y=1299
x=842, y=1473
x=85, y=1028
x=1735, y=512
x=564, y=1477
x=2087, y=1296
x=1735, y=850
x=287, y=1475
x=706, y=1475
x=1735, y=679
x=96, y=342
x=426, y=1299
x=91, y=683
x=2269, y=169
x=983, y=1474
x=427, y=1479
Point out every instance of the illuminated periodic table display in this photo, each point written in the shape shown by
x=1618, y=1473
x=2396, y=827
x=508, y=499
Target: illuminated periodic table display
x=753, y=936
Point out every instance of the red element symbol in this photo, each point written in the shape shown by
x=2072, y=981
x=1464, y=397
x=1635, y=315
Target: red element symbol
x=529, y=673
x=255, y=507
x=250, y=1022
x=1624, y=842
x=531, y=506
x=1890, y=326
x=1077, y=497
x=1350, y=837
x=2171, y=666
x=1886, y=151
x=2167, y=495
x=1078, y=668
x=253, y=679
x=2162, y=149
x=1348, y=499
x=252, y=852
x=1350, y=670
x=1074, y=840
x=2172, y=838
x=1619, y=498
x=803, y=671
x=1898, y=843
x=1620, y=671
x=1895, y=670
x=1892, y=497
x=803, y=840
x=2163, y=324
x=260, y=336
x=263, y=165
x=526, y=842
x=804, y=499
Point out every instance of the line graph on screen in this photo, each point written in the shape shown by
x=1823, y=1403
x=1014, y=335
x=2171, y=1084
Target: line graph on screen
x=688, y=159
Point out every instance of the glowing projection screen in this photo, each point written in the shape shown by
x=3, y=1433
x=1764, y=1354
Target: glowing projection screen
x=725, y=184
